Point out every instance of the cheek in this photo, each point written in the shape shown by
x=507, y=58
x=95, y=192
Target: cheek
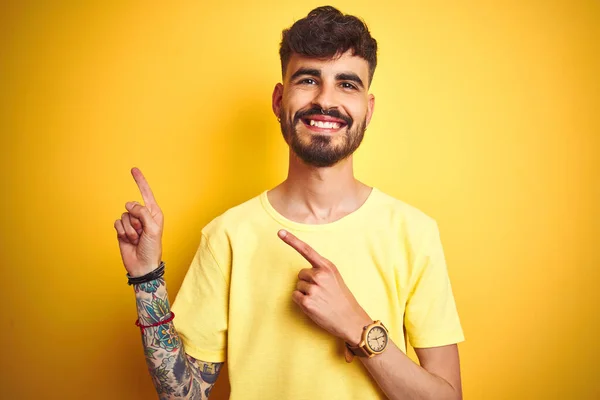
x=358, y=109
x=297, y=99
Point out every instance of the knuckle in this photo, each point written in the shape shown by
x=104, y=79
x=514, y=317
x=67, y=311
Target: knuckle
x=296, y=297
x=129, y=230
x=307, y=304
x=329, y=265
x=304, y=287
x=319, y=276
x=303, y=274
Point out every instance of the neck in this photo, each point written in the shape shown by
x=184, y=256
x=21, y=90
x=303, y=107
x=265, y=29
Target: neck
x=318, y=195
x=321, y=185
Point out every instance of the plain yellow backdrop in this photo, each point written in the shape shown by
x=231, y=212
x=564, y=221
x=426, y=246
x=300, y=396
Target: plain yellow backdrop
x=486, y=118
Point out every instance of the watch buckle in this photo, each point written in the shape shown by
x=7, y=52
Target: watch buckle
x=348, y=355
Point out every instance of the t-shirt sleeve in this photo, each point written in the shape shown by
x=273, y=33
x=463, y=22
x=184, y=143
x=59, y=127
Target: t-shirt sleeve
x=431, y=318
x=201, y=307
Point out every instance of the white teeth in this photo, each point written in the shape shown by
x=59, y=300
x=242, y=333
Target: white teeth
x=324, y=124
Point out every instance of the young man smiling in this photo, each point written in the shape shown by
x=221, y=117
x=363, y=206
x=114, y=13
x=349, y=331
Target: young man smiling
x=310, y=290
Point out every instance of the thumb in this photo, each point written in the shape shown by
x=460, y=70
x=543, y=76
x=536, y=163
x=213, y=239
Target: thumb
x=143, y=214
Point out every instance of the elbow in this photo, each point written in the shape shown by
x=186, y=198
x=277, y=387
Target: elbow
x=456, y=393
x=452, y=392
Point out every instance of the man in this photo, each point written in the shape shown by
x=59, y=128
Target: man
x=309, y=290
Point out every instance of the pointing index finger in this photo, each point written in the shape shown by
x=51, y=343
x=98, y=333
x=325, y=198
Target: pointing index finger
x=143, y=186
x=304, y=249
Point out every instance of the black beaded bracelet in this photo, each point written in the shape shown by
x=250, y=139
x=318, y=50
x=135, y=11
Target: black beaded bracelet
x=150, y=276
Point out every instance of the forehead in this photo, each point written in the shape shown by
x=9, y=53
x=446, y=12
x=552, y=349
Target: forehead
x=330, y=66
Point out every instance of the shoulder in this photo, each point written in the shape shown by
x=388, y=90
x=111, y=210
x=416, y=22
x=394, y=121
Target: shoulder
x=218, y=234
x=234, y=219
x=406, y=223
x=407, y=217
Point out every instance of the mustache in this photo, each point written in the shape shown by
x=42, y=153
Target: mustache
x=316, y=110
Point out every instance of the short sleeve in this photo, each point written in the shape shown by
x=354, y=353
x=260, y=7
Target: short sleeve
x=431, y=318
x=201, y=307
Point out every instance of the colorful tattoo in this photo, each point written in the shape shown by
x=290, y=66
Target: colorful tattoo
x=150, y=287
x=174, y=373
x=210, y=372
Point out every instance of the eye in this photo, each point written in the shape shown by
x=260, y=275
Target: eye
x=348, y=85
x=308, y=81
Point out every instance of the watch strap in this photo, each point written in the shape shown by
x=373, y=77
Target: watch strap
x=358, y=351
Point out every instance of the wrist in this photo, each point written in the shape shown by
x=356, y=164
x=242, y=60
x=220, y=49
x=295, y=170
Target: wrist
x=148, y=277
x=147, y=290
x=354, y=330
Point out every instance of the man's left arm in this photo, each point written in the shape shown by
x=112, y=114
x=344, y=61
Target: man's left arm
x=322, y=294
x=438, y=376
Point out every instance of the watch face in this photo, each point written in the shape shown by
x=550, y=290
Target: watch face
x=377, y=339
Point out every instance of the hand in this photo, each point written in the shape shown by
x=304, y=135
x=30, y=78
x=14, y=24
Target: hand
x=322, y=294
x=139, y=231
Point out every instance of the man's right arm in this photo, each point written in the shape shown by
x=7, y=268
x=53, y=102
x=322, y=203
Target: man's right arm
x=175, y=374
x=139, y=233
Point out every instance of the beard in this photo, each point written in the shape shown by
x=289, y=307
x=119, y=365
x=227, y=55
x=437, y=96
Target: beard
x=322, y=150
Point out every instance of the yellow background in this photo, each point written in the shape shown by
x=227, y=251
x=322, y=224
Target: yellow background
x=486, y=118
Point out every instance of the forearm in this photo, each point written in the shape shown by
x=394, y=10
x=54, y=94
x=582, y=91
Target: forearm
x=174, y=374
x=401, y=378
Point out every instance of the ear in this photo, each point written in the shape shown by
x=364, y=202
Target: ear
x=276, y=99
x=370, y=108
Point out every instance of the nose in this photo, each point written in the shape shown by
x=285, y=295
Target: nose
x=326, y=97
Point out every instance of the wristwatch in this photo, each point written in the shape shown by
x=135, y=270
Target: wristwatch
x=373, y=341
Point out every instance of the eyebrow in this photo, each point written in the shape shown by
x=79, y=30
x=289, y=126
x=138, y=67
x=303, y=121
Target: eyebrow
x=306, y=71
x=350, y=76
x=344, y=76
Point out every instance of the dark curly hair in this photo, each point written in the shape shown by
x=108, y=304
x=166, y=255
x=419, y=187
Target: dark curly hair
x=324, y=33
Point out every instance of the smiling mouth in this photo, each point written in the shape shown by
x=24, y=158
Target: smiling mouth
x=319, y=125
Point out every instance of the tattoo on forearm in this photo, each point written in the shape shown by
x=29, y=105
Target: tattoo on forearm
x=174, y=373
x=210, y=372
x=150, y=287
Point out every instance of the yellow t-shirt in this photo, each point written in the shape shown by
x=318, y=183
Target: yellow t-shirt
x=235, y=303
